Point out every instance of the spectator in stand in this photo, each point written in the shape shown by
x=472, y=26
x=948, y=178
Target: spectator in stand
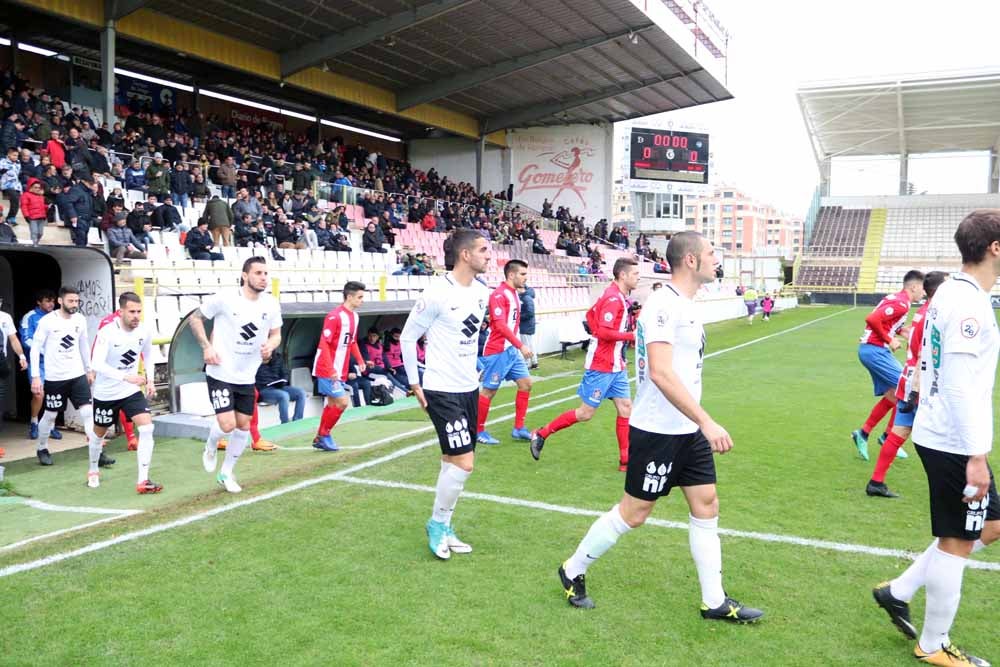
x=76, y=208
x=10, y=183
x=373, y=354
x=122, y=241
x=13, y=133
x=539, y=248
x=273, y=387
x=372, y=238
x=34, y=209
x=227, y=173
x=135, y=177
x=141, y=223
x=546, y=208
x=56, y=149
x=527, y=326
x=181, y=184
x=392, y=361
x=288, y=235
x=199, y=189
x=167, y=217
x=199, y=242
x=250, y=233
x=157, y=177
x=28, y=167
x=219, y=217
x=243, y=204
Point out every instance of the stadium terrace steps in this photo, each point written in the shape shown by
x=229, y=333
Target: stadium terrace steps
x=872, y=251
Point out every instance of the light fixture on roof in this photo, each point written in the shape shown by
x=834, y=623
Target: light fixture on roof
x=281, y=84
x=390, y=41
x=325, y=67
x=633, y=37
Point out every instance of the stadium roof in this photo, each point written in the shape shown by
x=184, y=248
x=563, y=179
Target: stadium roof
x=503, y=63
x=903, y=115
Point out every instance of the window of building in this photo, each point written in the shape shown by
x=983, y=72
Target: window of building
x=727, y=208
x=727, y=195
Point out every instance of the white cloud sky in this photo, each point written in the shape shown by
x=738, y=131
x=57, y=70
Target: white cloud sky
x=759, y=140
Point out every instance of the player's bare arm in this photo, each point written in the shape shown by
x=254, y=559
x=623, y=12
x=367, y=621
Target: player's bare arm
x=209, y=354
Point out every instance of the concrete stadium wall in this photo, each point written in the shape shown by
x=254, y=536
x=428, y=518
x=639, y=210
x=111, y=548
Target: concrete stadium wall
x=456, y=159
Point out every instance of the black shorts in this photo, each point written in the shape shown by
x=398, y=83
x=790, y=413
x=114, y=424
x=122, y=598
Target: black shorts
x=57, y=392
x=106, y=412
x=950, y=517
x=226, y=397
x=454, y=415
x=659, y=462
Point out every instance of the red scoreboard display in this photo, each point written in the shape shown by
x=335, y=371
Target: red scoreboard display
x=665, y=155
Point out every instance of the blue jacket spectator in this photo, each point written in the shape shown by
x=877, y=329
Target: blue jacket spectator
x=528, y=311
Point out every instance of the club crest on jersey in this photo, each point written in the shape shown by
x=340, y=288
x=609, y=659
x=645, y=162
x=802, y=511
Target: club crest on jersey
x=498, y=311
x=596, y=395
x=608, y=317
x=656, y=477
x=495, y=378
x=458, y=433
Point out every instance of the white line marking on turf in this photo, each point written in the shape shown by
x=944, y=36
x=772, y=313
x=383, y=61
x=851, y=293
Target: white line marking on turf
x=662, y=523
x=63, y=531
x=193, y=518
x=39, y=505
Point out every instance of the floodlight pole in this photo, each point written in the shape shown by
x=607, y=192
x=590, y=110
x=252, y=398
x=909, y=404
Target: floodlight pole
x=108, y=39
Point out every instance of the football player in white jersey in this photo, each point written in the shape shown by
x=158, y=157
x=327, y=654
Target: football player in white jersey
x=246, y=330
x=671, y=437
x=120, y=346
x=61, y=337
x=450, y=311
x=953, y=434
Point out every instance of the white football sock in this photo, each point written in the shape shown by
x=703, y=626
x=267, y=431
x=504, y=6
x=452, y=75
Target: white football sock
x=144, y=454
x=706, y=549
x=238, y=441
x=94, y=446
x=86, y=413
x=451, y=481
x=906, y=585
x=45, y=427
x=215, y=433
x=944, y=592
x=602, y=536
x=34, y=420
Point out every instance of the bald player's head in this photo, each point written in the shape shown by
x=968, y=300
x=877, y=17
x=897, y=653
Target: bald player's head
x=681, y=245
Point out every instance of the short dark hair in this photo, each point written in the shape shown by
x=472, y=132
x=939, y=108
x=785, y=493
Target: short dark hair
x=976, y=233
x=621, y=266
x=913, y=275
x=128, y=297
x=353, y=286
x=67, y=289
x=680, y=246
x=43, y=294
x=253, y=260
x=464, y=239
x=512, y=266
x=932, y=281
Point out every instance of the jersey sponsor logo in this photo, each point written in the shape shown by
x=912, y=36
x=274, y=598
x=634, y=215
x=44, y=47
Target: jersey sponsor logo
x=128, y=358
x=248, y=331
x=471, y=327
x=970, y=327
x=458, y=433
x=221, y=398
x=975, y=516
x=656, y=477
x=66, y=342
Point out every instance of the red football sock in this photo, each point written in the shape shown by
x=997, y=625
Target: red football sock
x=886, y=456
x=565, y=420
x=329, y=418
x=621, y=430
x=520, y=408
x=892, y=418
x=255, y=420
x=127, y=426
x=484, y=411
x=879, y=411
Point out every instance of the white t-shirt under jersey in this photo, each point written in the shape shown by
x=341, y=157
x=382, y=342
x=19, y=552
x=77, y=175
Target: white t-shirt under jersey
x=667, y=317
x=239, y=328
x=116, y=354
x=64, y=343
x=958, y=361
x=450, y=314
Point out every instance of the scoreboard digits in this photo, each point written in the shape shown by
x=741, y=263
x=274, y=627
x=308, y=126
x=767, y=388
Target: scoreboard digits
x=665, y=155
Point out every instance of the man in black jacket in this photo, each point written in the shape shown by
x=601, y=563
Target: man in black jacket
x=273, y=387
x=199, y=242
x=76, y=209
x=167, y=217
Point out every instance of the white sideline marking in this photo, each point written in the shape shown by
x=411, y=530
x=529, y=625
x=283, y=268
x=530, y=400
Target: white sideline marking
x=193, y=518
x=663, y=523
x=39, y=505
x=63, y=531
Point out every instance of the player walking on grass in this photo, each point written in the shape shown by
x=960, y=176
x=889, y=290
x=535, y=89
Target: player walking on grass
x=45, y=301
x=337, y=344
x=906, y=408
x=605, y=375
x=61, y=336
x=953, y=434
x=127, y=426
x=504, y=355
x=450, y=312
x=878, y=342
x=247, y=329
x=118, y=387
x=671, y=438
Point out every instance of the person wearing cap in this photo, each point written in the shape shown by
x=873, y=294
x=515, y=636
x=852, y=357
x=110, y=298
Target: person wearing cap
x=199, y=242
x=158, y=177
x=122, y=241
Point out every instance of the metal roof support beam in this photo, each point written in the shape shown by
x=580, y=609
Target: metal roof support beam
x=470, y=79
x=904, y=157
x=115, y=10
x=517, y=117
x=330, y=47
